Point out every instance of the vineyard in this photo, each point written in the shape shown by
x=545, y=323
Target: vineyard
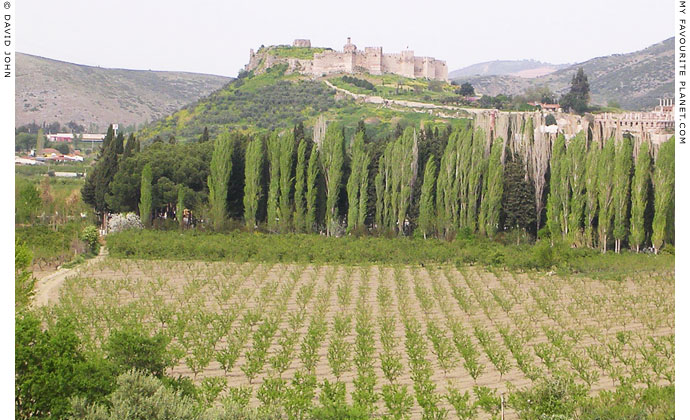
x=435, y=341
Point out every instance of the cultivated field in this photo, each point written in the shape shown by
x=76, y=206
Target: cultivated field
x=403, y=339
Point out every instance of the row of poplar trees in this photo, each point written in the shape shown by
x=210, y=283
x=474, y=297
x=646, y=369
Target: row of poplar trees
x=603, y=193
x=597, y=193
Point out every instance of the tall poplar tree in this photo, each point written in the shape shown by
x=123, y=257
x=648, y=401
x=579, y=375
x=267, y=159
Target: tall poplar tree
x=287, y=146
x=477, y=178
x=357, y=171
x=363, y=190
x=426, y=201
x=640, y=197
x=490, y=210
x=591, y=193
x=146, y=198
x=577, y=164
x=379, y=185
x=312, y=188
x=664, y=190
x=300, y=187
x=445, y=204
x=554, y=203
x=273, y=216
x=252, y=181
x=606, y=173
x=332, y=159
x=219, y=177
x=621, y=191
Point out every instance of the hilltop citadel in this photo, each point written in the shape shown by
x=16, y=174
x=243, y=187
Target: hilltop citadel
x=351, y=60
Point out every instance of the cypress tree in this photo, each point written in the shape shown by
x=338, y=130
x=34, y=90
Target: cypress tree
x=664, y=190
x=490, y=212
x=591, y=193
x=640, y=197
x=40, y=140
x=300, y=186
x=129, y=147
x=219, y=177
x=273, y=181
x=605, y=177
x=577, y=163
x=252, y=181
x=332, y=159
x=312, y=188
x=621, y=191
x=146, y=200
x=97, y=184
x=554, y=204
x=426, y=201
x=287, y=146
x=204, y=136
x=120, y=143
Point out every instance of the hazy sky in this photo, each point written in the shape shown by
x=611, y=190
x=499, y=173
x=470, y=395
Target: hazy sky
x=215, y=37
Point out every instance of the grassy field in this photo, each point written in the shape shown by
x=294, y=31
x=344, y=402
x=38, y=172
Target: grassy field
x=403, y=339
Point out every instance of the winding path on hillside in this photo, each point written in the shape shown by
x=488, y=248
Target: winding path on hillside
x=416, y=106
x=48, y=288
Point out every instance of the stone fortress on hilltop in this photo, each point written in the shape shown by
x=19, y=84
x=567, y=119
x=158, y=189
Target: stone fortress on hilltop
x=351, y=60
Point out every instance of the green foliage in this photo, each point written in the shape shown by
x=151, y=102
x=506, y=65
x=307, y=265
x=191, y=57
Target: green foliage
x=51, y=368
x=364, y=84
x=130, y=348
x=287, y=145
x=220, y=170
x=27, y=203
x=426, y=204
x=272, y=210
x=332, y=155
x=146, y=200
x=605, y=176
x=518, y=197
x=664, y=191
x=577, y=164
x=557, y=201
x=466, y=89
x=252, y=181
x=357, y=183
x=493, y=192
x=300, y=216
x=641, y=185
x=333, y=404
x=312, y=189
x=97, y=188
x=47, y=244
x=90, y=236
x=578, y=97
x=24, y=281
x=550, y=397
x=621, y=190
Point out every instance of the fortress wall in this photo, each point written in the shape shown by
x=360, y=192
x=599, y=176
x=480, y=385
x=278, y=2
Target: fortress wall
x=332, y=62
x=440, y=70
x=373, y=59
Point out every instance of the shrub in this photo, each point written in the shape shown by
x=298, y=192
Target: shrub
x=90, y=236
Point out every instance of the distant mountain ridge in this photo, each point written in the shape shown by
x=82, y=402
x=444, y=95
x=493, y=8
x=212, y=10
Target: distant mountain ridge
x=49, y=90
x=520, y=68
x=634, y=80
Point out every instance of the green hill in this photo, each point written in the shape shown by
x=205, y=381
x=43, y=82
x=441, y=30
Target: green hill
x=274, y=99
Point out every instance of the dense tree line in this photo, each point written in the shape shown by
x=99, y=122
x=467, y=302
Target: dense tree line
x=598, y=195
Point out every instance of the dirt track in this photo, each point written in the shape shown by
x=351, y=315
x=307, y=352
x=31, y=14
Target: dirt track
x=48, y=287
